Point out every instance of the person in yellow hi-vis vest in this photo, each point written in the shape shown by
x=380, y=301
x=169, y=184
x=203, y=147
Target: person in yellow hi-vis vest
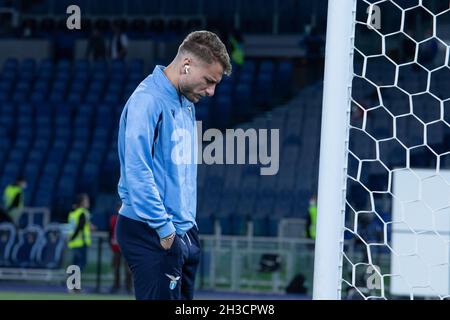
x=80, y=235
x=312, y=218
x=237, y=48
x=13, y=199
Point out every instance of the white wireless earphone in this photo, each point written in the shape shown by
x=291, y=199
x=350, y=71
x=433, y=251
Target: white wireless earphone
x=186, y=69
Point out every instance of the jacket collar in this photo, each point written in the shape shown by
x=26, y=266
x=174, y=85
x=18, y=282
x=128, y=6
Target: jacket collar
x=169, y=89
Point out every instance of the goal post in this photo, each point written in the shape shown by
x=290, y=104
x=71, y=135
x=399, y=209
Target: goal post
x=333, y=159
x=383, y=223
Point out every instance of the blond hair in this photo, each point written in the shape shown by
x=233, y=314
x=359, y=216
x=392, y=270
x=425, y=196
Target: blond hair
x=207, y=46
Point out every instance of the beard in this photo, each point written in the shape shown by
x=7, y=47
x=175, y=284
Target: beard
x=189, y=93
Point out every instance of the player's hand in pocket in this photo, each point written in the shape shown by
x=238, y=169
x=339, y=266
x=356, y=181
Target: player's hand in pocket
x=167, y=242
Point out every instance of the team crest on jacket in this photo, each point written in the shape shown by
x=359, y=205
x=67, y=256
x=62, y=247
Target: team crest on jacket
x=173, y=281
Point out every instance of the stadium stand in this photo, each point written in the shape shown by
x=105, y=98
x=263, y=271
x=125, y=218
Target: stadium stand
x=60, y=122
x=65, y=145
x=32, y=253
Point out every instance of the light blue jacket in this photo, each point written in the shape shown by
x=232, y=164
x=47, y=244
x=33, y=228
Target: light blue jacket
x=156, y=186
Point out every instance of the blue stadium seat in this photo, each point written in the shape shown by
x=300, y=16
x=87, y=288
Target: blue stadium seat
x=264, y=85
x=51, y=168
x=23, y=86
x=283, y=205
x=222, y=111
x=117, y=80
x=11, y=170
x=7, y=116
x=41, y=84
x=81, y=132
x=206, y=224
x=51, y=249
x=28, y=64
x=81, y=78
x=104, y=114
x=5, y=85
x=225, y=224
x=260, y=226
x=96, y=86
x=4, y=96
x=136, y=65
x=43, y=197
x=9, y=75
x=20, y=96
x=3, y=154
x=93, y=97
x=70, y=170
x=112, y=98
x=272, y=226
x=23, y=221
x=267, y=66
x=23, y=140
x=59, y=86
x=56, y=97
x=63, y=114
x=283, y=78
x=66, y=187
x=78, y=87
x=63, y=131
x=75, y=156
x=25, y=124
x=31, y=173
x=249, y=66
x=202, y=112
x=99, y=67
x=63, y=66
x=265, y=204
x=238, y=224
x=27, y=76
x=25, y=250
x=41, y=145
x=96, y=154
x=243, y=99
x=43, y=127
x=10, y=63
x=101, y=134
x=80, y=145
x=88, y=180
x=17, y=157
x=38, y=97
x=81, y=64
x=110, y=171
x=35, y=157
x=117, y=66
x=75, y=98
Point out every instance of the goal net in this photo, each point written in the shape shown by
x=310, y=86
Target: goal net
x=383, y=229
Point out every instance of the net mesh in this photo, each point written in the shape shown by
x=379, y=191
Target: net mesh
x=397, y=217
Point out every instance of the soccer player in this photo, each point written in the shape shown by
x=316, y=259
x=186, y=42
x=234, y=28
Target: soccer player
x=156, y=228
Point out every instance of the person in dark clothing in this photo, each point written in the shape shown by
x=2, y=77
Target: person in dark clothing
x=313, y=45
x=96, y=46
x=119, y=43
x=4, y=217
x=118, y=260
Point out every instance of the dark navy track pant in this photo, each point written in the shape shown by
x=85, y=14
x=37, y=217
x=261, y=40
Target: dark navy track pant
x=159, y=274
